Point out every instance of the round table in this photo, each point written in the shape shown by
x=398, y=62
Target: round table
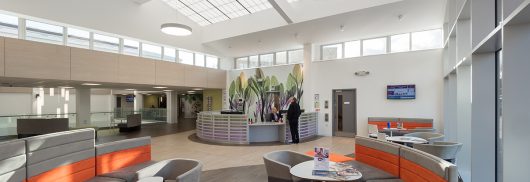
x=407, y=139
x=305, y=170
x=394, y=129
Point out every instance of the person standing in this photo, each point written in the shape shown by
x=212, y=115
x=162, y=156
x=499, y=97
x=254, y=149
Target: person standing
x=293, y=113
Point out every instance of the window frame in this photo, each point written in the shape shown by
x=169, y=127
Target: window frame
x=332, y=44
x=386, y=45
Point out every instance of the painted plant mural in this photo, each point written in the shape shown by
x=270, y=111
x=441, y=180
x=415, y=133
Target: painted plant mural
x=255, y=91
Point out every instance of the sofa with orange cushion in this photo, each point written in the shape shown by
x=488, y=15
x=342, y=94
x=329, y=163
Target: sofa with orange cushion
x=122, y=159
x=408, y=123
x=72, y=156
x=398, y=161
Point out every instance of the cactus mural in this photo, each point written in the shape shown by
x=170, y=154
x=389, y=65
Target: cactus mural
x=254, y=91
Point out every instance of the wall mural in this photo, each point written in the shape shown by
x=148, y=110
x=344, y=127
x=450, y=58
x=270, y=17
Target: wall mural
x=255, y=91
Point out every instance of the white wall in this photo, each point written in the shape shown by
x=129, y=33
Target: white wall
x=422, y=68
x=15, y=103
x=101, y=103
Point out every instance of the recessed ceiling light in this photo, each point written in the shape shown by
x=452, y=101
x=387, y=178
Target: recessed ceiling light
x=130, y=89
x=91, y=84
x=176, y=29
x=160, y=87
x=167, y=90
x=67, y=87
x=197, y=89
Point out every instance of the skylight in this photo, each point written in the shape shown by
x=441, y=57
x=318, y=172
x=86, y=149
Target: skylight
x=205, y=12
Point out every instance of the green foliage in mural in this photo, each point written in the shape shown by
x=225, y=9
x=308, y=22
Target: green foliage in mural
x=258, y=87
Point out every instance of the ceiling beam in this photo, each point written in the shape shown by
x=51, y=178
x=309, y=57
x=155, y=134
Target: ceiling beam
x=280, y=11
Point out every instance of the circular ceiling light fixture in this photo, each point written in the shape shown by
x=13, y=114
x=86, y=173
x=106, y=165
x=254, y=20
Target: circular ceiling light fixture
x=176, y=29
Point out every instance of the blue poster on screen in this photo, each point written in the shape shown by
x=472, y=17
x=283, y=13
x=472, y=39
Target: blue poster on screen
x=401, y=92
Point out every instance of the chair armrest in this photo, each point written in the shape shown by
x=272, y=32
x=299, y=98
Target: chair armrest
x=182, y=170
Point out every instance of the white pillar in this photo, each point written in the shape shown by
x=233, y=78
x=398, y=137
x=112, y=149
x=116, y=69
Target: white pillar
x=138, y=101
x=172, y=107
x=82, y=105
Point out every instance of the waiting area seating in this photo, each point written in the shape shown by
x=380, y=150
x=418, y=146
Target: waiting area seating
x=279, y=163
x=72, y=156
x=444, y=150
x=409, y=125
x=40, y=126
x=431, y=137
x=378, y=161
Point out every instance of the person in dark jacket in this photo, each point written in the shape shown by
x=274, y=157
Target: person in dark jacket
x=293, y=113
x=275, y=116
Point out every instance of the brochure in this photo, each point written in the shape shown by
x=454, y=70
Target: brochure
x=321, y=159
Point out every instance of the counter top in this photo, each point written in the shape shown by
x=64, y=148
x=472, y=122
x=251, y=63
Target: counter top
x=266, y=124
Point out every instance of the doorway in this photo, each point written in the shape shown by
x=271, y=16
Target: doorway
x=345, y=112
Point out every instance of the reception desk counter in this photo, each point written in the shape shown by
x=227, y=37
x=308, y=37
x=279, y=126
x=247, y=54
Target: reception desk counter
x=235, y=129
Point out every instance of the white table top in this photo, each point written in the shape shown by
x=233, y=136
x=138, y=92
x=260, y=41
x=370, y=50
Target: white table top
x=407, y=139
x=305, y=170
x=395, y=129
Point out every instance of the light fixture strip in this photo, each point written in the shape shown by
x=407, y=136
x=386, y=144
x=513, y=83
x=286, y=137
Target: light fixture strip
x=243, y=7
x=218, y=9
x=195, y=11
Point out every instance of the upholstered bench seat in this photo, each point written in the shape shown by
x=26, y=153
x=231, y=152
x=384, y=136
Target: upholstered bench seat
x=385, y=180
x=128, y=173
x=105, y=179
x=371, y=173
x=333, y=157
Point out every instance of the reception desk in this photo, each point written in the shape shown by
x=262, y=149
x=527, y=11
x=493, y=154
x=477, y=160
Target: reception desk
x=235, y=129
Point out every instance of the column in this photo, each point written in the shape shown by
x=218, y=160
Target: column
x=82, y=105
x=172, y=107
x=138, y=101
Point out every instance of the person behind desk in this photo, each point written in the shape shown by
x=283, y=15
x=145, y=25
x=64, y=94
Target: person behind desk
x=275, y=116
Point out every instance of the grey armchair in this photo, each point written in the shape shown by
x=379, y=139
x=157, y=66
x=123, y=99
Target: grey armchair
x=279, y=163
x=431, y=137
x=444, y=150
x=179, y=170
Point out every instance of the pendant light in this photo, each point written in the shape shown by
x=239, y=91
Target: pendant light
x=176, y=29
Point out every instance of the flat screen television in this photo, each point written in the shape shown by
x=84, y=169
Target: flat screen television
x=129, y=98
x=397, y=92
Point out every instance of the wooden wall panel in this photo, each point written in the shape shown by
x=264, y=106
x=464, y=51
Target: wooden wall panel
x=217, y=78
x=95, y=66
x=168, y=73
x=28, y=59
x=2, y=56
x=196, y=76
x=136, y=70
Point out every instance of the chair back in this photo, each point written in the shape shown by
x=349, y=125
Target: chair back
x=416, y=165
x=444, y=150
x=380, y=154
x=372, y=128
x=381, y=136
x=63, y=156
x=13, y=161
x=431, y=137
x=121, y=154
x=278, y=164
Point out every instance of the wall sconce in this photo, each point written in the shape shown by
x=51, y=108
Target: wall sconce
x=362, y=73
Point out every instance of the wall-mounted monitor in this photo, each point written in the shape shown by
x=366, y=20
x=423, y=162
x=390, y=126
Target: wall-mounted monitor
x=401, y=92
x=129, y=98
